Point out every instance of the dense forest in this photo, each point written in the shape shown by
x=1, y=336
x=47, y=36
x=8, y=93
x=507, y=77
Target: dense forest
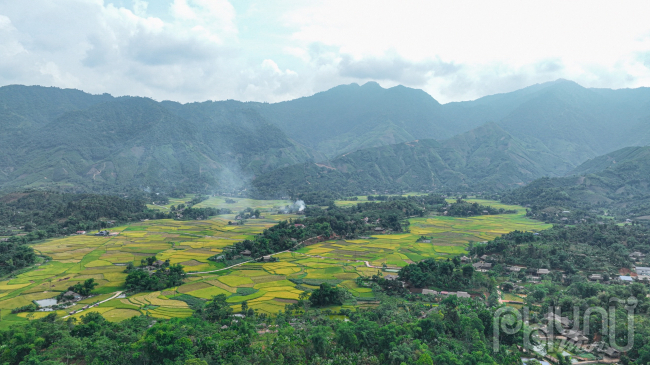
x=456, y=332
x=45, y=214
x=15, y=256
x=569, y=248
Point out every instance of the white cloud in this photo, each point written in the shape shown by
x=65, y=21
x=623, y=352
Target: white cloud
x=255, y=50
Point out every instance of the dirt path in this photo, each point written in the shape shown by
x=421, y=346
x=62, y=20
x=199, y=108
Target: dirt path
x=117, y=294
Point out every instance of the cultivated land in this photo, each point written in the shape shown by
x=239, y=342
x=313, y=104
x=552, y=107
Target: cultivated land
x=265, y=286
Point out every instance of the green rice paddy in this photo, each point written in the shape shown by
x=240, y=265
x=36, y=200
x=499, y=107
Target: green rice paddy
x=270, y=286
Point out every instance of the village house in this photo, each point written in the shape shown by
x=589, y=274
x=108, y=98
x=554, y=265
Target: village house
x=625, y=279
x=543, y=272
x=482, y=265
x=246, y=252
x=81, y=232
x=267, y=258
x=429, y=292
x=102, y=233
x=641, y=270
x=595, y=277
x=464, y=259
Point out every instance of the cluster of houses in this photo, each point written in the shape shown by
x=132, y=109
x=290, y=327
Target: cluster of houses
x=573, y=336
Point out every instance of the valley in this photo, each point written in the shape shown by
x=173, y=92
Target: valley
x=268, y=287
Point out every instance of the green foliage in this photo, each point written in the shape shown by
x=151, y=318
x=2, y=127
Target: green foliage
x=218, y=309
x=85, y=288
x=461, y=208
x=26, y=308
x=327, y=295
x=583, y=247
x=165, y=277
x=46, y=214
x=14, y=256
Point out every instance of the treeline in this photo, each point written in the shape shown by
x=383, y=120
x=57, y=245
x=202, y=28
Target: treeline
x=462, y=208
x=444, y=275
x=390, y=213
x=14, y=256
x=458, y=332
x=43, y=214
x=280, y=237
x=165, y=277
x=583, y=247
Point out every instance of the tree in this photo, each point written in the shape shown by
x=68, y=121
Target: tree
x=244, y=307
x=217, y=309
x=424, y=359
x=327, y=295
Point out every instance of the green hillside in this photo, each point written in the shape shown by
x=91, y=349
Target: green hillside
x=484, y=158
x=137, y=143
x=616, y=184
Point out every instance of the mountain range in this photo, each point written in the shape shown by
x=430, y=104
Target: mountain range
x=617, y=181
x=361, y=136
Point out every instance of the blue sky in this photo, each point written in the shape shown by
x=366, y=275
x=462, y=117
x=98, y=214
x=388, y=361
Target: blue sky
x=195, y=50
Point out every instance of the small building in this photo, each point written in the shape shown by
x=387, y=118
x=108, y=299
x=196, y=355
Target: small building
x=102, y=233
x=429, y=292
x=612, y=352
x=515, y=268
x=595, y=277
x=641, y=270
x=462, y=294
x=390, y=277
x=637, y=255
x=482, y=265
x=625, y=279
x=299, y=225
x=75, y=296
x=158, y=263
x=246, y=252
x=464, y=259
x=81, y=232
x=543, y=272
x=484, y=257
x=378, y=229
x=267, y=258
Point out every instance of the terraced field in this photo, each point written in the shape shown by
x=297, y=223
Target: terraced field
x=266, y=287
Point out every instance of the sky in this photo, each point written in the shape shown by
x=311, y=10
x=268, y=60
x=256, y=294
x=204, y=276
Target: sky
x=250, y=50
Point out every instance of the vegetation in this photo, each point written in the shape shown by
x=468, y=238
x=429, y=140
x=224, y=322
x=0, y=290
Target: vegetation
x=44, y=214
x=393, y=333
x=85, y=288
x=583, y=247
x=461, y=208
x=14, y=256
x=166, y=277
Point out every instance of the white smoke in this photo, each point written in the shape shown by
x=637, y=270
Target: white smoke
x=296, y=207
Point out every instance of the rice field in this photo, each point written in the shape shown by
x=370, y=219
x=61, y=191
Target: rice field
x=266, y=287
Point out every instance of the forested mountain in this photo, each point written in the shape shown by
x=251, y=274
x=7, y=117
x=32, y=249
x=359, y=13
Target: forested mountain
x=350, y=117
x=136, y=142
x=573, y=122
x=618, y=182
x=67, y=139
x=484, y=158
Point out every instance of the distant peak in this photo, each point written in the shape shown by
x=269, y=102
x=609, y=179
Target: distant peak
x=372, y=85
